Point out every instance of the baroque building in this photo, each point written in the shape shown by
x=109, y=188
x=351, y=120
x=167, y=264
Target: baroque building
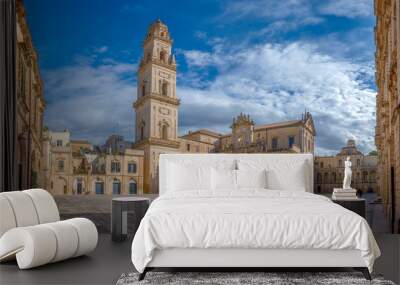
x=30, y=107
x=296, y=136
x=78, y=167
x=387, y=136
x=329, y=170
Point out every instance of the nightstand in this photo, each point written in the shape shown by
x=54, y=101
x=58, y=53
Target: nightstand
x=358, y=205
x=120, y=207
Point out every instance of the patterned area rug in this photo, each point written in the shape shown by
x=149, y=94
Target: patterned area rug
x=229, y=278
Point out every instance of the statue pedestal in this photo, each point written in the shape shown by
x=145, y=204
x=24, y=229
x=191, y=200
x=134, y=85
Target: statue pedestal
x=341, y=190
x=344, y=194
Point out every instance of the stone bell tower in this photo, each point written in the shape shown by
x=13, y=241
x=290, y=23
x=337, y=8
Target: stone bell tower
x=156, y=106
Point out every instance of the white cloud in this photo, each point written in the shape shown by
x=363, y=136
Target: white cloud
x=91, y=100
x=287, y=25
x=101, y=49
x=356, y=44
x=286, y=15
x=267, y=9
x=271, y=82
x=277, y=82
x=200, y=35
x=198, y=58
x=348, y=8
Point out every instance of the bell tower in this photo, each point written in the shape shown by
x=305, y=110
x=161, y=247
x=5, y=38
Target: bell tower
x=156, y=106
x=242, y=132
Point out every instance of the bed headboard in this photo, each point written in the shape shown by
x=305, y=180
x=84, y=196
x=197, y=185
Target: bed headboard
x=213, y=159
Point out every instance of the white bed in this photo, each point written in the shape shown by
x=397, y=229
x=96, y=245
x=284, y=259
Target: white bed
x=200, y=223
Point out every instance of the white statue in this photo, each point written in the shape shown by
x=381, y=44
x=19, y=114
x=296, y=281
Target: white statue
x=347, y=174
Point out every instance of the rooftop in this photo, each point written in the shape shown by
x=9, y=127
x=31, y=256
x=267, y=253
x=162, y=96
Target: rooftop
x=203, y=131
x=350, y=149
x=278, y=125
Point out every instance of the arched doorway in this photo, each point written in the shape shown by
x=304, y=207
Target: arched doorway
x=132, y=187
x=116, y=187
x=64, y=186
x=99, y=187
x=79, y=185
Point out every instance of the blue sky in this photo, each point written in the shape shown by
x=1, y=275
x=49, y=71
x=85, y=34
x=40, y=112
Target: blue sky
x=272, y=59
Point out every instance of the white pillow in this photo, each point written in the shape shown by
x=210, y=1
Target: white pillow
x=224, y=179
x=184, y=177
x=282, y=174
x=291, y=177
x=251, y=178
x=224, y=164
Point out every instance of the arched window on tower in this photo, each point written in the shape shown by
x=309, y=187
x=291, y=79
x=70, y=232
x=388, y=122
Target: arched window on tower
x=143, y=89
x=141, y=132
x=163, y=56
x=164, y=89
x=164, y=132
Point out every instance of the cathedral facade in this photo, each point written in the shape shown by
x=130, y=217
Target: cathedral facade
x=296, y=136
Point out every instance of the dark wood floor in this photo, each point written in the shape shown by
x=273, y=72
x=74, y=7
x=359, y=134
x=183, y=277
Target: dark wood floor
x=103, y=266
x=110, y=260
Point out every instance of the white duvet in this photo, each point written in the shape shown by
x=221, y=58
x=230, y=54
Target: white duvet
x=250, y=219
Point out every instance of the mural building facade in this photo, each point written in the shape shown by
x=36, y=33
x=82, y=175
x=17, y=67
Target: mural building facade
x=30, y=107
x=387, y=36
x=77, y=167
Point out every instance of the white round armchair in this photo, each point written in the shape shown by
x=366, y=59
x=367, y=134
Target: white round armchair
x=31, y=230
